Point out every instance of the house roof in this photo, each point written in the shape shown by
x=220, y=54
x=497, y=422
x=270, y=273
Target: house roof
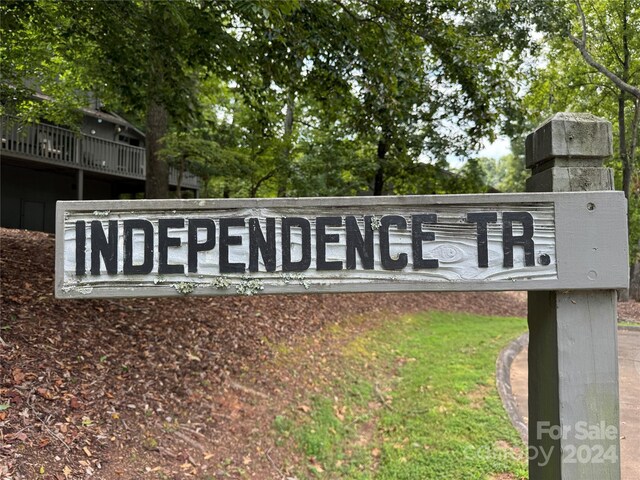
x=111, y=117
x=97, y=113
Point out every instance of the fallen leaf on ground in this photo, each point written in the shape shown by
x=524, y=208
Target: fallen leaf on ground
x=191, y=356
x=18, y=376
x=44, y=393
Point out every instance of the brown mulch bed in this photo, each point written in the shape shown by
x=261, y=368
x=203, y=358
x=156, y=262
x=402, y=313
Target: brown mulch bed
x=148, y=388
x=629, y=312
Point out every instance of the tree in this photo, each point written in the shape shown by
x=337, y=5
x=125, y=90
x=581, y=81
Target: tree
x=505, y=174
x=411, y=80
x=332, y=161
x=620, y=75
x=141, y=57
x=593, y=64
x=299, y=57
x=195, y=151
x=431, y=79
x=37, y=57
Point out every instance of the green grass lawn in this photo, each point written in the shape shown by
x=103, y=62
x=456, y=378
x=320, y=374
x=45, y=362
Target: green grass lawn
x=628, y=324
x=414, y=398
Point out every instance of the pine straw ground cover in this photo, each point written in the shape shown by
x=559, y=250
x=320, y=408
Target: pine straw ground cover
x=163, y=388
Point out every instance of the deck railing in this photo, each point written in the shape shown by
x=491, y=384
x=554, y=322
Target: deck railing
x=64, y=147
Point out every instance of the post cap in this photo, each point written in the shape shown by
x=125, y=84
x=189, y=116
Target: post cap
x=568, y=135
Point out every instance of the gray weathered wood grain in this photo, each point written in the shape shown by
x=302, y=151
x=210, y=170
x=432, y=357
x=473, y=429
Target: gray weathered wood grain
x=556, y=220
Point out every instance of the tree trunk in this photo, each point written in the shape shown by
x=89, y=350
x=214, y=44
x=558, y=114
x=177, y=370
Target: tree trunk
x=622, y=148
x=378, y=182
x=285, y=160
x=157, y=170
x=634, y=277
x=634, y=281
x=180, y=176
x=628, y=152
x=157, y=121
x=205, y=188
x=623, y=295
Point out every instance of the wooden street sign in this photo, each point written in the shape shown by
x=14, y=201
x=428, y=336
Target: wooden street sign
x=532, y=241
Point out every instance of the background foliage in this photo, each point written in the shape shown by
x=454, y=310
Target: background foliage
x=280, y=98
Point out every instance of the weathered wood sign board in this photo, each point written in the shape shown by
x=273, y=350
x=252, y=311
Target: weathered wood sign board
x=541, y=241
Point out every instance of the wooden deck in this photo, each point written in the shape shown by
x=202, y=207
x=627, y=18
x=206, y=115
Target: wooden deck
x=59, y=146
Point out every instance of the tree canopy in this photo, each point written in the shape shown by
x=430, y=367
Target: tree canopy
x=313, y=97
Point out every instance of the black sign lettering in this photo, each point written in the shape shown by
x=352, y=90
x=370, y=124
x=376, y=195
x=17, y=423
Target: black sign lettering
x=165, y=241
x=227, y=240
x=81, y=242
x=481, y=219
x=100, y=246
x=266, y=246
x=305, y=227
x=526, y=239
x=193, y=246
x=177, y=244
x=128, y=268
x=322, y=238
x=355, y=241
x=389, y=263
x=418, y=236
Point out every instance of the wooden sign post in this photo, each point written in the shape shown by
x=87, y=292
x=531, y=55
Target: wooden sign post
x=569, y=246
x=573, y=351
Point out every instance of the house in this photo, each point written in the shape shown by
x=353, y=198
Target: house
x=41, y=163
